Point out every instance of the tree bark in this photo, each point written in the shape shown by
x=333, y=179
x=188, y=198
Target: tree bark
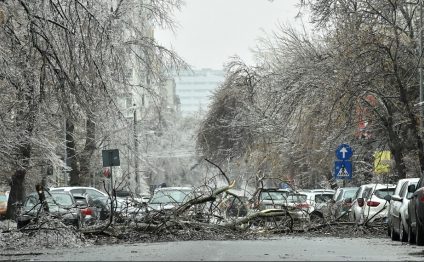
x=71, y=156
x=17, y=192
x=90, y=146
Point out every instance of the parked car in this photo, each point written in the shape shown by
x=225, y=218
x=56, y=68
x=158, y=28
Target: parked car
x=298, y=206
x=61, y=205
x=165, y=198
x=93, y=192
x=355, y=211
x=397, y=190
x=318, y=201
x=274, y=198
x=4, y=197
x=234, y=203
x=398, y=210
x=368, y=204
x=342, y=201
x=416, y=212
x=103, y=207
x=270, y=198
x=124, y=209
x=375, y=205
x=130, y=198
x=88, y=208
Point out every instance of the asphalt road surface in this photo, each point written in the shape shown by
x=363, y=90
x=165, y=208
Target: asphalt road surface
x=283, y=248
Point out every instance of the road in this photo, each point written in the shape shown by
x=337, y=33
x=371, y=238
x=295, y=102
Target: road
x=287, y=248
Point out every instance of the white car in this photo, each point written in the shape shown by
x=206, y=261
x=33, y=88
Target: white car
x=93, y=192
x=370, y=204
x=355, y=211
x=318, y=200
x=375, y=207
x=398, y=211
x=342, y=201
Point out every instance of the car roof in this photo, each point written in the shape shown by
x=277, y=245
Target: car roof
x=322, y=190
x=319, y=192
x=174, y=188
x=67, y=188
x=50, y=192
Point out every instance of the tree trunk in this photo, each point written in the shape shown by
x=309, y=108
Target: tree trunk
x=87, y=153
x=71, y=160
x=17, y=192
x=26, y=119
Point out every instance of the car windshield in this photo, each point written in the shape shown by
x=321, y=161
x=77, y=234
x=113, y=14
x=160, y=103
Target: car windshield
x=3, y=198
x=273, y=195
x=52, y=200
x=381, y=193
x=60, y=199
x=170, y=196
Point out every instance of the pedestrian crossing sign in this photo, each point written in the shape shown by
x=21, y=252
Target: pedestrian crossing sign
x=343, y=169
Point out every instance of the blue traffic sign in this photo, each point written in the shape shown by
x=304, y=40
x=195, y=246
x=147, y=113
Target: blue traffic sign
x=343, y=152
x=343, y=169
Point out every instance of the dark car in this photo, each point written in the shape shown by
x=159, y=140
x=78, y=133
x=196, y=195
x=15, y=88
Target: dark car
x=60, y=205
x=89, y=211
x=416, y=213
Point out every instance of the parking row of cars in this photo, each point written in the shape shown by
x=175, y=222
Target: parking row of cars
x=76, y=206
x=401, y=206
x=406, y=211
x=301, y=205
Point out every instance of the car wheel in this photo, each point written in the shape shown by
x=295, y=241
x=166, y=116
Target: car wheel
x=411, y=235
x=394, y=234
x=403, y=236
x=419, y=234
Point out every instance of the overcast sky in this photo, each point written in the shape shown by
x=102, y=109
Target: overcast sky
x=210, y=31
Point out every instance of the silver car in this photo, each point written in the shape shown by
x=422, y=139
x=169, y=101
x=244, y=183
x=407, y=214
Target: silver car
x=398, y=211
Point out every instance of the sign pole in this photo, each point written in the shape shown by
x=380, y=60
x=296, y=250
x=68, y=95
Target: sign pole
x=111, y=180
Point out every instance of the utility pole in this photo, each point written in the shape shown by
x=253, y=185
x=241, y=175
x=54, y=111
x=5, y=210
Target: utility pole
x=137, y=175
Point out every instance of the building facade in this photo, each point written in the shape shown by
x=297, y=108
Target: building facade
x=195, y=88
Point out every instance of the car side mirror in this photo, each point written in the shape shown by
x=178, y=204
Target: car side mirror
x=388, y=198
x=411, y=188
